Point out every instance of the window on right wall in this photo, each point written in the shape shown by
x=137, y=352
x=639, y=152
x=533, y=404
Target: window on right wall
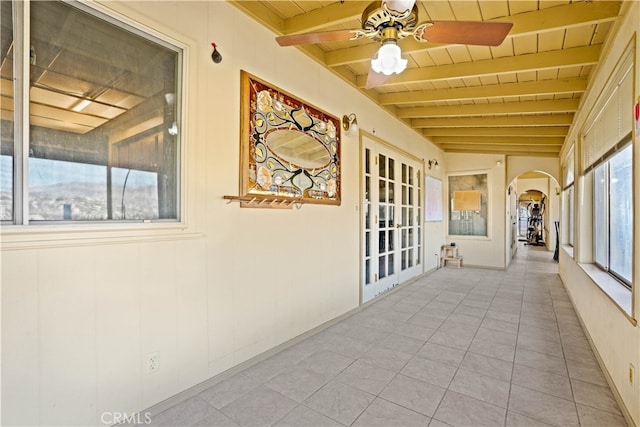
x=607, y=162
x=613, y=214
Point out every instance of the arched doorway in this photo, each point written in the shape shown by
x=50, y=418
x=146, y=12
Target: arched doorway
x=533, y=211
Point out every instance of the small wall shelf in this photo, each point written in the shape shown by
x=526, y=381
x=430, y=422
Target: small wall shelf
x=266, y=201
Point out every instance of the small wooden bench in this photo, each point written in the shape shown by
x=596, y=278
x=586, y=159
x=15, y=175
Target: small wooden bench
x=450, y=253
x=456, y=259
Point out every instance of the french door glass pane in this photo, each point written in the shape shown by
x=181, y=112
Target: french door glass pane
x=381, y=267
x=382, y=186
x=367, y=189
x=621, y=214
x=367, y=154
x=367, y=271
x=367, y=216
x=367, y=243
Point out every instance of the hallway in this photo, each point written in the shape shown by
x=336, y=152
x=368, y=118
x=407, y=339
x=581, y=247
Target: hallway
x=458, y=347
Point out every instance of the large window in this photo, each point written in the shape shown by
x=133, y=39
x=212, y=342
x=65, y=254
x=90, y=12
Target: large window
x=613, y=214
x=102, y=103
x=607, y=155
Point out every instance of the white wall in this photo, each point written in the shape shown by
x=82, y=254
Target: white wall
x=82, y=307
x=616, y=338
x=483, y=251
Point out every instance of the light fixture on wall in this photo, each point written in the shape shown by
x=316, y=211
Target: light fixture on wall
x=350, y=123
x=433, y=163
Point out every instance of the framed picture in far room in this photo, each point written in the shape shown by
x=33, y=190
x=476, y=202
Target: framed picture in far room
x=468, y=204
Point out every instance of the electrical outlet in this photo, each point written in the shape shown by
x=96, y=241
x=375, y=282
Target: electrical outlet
x=152, y=362
x=632, y=373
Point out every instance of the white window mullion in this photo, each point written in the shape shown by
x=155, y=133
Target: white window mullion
x=21, y=112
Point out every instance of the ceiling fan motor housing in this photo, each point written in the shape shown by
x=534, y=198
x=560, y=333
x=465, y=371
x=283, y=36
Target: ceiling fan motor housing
x=377, y=18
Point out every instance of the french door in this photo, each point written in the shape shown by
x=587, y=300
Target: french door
x=391, y=223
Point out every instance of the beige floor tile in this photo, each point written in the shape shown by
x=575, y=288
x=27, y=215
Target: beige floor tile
x=459, y=410
x=414, y=394
x=383, y=413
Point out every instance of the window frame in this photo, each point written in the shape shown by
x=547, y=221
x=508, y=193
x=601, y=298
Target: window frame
x=568, y=197
x=605, y=162
x=570, y=206
x=20, y=222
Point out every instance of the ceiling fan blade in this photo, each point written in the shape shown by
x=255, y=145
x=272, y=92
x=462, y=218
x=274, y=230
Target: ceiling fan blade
x=400, y=5
x=375, y=79
x=326, y=36
x=463, y=32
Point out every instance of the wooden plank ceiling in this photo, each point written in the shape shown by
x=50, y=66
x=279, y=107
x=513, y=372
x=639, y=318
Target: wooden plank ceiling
x=514, y=99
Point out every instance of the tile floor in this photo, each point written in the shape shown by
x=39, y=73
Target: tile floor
x=459, y=347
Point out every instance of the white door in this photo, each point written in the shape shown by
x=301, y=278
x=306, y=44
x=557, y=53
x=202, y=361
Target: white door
x=391, y=219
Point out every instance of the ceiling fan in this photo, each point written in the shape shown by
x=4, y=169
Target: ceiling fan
x=389, y=21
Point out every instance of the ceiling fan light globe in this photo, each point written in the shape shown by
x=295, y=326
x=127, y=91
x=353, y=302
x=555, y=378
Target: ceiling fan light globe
x=400, y=5
x=388, y=60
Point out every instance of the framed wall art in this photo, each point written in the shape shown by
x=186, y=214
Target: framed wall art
x=468, y=205
x=290, y=150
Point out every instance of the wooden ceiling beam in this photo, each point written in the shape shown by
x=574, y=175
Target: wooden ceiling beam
x=561, y=58
x=522, y=149
x=524, y=141
x=508, y=151
x=563, y=16
x=318, y=19
x=554, y=106
x=497, y=121
x=534, y=131
x=544, y=87
x=553, y=18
